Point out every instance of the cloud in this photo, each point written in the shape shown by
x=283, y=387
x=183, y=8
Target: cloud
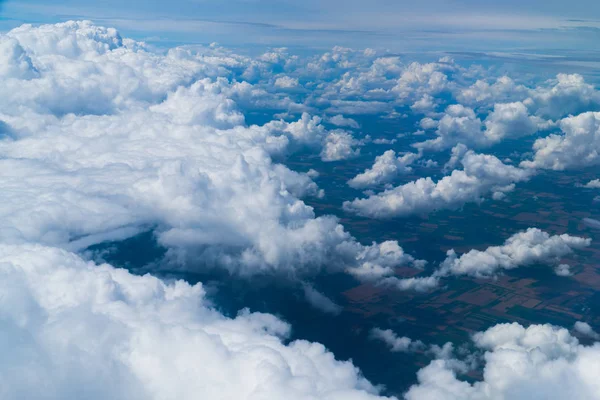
x=503, y=90
x=540, y=361
x=339, y=146
x=116, y=335
x=418, y=284
x=522, y=249
x=340, y=120
x=567, y=94
x=563, y=270
x=386, y=167
x=397, y=344
x=593, y=184
x=592, y=223
x=577, y=147
x=481, y=174
x=532, y=246
x=146, y=141
x=585, y=329
x=460, y=125
x=285, y=82
x=319, y=301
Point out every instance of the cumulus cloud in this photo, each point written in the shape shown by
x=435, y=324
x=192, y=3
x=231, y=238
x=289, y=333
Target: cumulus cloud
x=563, y=270
x=578, y=146
x=319, y=301
x=339, y=146
x=540, y=361
x=396, y=343
x=481, y=174
x=379, y=260
x=567, y=94
x=532, y=246
x=340, y=120
x=120, y=336
x=460, y=124
x=386, y=167
x=585, y=329
x=481, y=93
x=593, y=184
x=285, y=82
x=157, y=142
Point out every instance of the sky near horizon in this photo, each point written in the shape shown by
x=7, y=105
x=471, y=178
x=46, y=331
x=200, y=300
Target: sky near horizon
x=458, y=25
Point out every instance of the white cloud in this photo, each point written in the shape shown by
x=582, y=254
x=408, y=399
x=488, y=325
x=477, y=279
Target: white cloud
x=75, y=329
x=593, y=184
x=532, y=246
x=285, y=82
x=460, y=125
x=592, y=223
x=379, y=260
x=482, y=174
x=339, y=146
x=577, y=147
x=419, y=80
x=563, y=270
x=155, y=141
x=396, y=343
x=567, y=94
x=585, y=329
x=319, y=301
x=540, y=361
x=481, y=93
x=417, y=284
x=340, y=120
x=386, y=167
x=556, y=98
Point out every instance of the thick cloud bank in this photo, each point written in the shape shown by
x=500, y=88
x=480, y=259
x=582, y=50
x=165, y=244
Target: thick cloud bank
x=104, y=139
x=72, y=329
x=481, y=174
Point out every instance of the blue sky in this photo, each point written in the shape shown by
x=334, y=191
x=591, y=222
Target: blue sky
x=450, y=25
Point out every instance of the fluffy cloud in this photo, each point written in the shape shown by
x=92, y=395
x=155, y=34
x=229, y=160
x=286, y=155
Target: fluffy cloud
x=339, y=146
x=593, y=184
x=319, y=301
x=386, y=167
x=120, y=336
x=481, y=174
x=481, y=93
x=532, y=246
x=379, y=260
x=567, y=94
x=157, y=142
x=340, y=120
x=460, y=124
x=578, y=146
x=556, y=98
x=397, y=344
x=585, y=329
x=540, y=361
